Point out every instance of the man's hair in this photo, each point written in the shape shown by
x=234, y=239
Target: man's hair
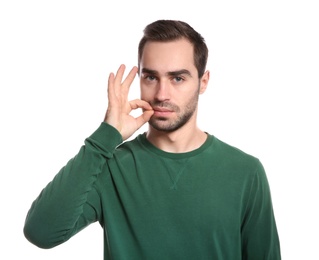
x=171, y=30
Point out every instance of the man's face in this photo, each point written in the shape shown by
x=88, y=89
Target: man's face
x=169, y=82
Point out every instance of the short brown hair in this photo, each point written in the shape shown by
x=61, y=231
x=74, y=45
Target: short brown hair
x=170, y=30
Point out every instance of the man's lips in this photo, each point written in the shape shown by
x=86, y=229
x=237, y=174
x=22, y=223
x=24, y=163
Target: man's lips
x=161, y=111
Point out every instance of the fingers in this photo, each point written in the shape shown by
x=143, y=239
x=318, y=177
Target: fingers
x=119, y=108
x=119, y=75
x=117, y=88
x=138, y=103
x=118, y=81
x=130, y=77
x=144, y=118
x=110, y=89
x=147, y=111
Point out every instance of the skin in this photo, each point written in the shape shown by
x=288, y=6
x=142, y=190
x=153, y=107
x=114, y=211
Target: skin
x=169, y=97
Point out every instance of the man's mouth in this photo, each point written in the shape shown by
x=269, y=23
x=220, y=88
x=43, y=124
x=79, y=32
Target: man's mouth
x=162, y=111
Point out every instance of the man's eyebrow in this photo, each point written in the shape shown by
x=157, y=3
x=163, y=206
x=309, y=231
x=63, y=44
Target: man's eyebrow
x=170, y=73
x=149, y=71
x=179, y=72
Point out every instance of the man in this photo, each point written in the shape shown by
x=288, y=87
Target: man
x=174, y=192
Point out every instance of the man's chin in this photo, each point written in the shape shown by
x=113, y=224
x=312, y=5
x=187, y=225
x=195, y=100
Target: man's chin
x=162, y=125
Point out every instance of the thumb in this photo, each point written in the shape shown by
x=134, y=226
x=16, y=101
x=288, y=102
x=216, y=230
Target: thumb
x=144, y=118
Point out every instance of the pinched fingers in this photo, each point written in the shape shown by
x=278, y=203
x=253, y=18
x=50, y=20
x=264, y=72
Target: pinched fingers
x=146, y=114
x=139, y=103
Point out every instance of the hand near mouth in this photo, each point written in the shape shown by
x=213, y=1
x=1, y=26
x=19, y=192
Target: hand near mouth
x=119, y=108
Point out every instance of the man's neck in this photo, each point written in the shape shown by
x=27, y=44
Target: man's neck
x=185, y=139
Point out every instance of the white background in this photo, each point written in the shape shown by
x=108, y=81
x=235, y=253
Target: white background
x=55, y=57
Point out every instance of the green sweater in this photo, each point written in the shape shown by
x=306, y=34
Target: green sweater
x=210, y=203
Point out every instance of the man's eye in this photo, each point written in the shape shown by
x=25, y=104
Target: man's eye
x=149, y=77
x=178, y=79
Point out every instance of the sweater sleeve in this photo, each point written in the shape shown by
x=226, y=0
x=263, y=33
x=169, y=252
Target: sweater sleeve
x=62, y=208
x=259, y=232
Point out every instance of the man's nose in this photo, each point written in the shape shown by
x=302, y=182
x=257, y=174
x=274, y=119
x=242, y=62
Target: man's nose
x=163, y=90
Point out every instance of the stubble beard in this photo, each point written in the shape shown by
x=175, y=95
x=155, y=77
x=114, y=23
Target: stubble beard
x=183, y=115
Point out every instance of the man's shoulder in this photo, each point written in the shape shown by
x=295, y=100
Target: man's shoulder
x=233, y=154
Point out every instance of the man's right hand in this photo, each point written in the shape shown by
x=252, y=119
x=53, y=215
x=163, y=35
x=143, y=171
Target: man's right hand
x=119, y=108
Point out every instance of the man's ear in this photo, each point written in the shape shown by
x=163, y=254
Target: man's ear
x=204, y=82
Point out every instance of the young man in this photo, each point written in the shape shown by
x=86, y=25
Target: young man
x=174, y=192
